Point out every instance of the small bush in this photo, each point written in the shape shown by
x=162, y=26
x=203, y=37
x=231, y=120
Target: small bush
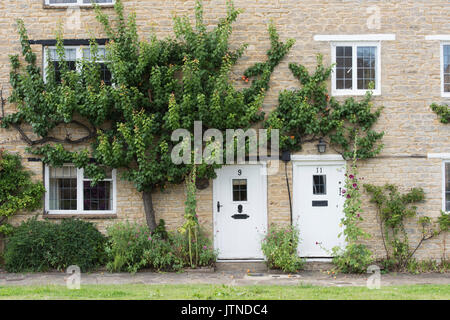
x=41, y=245
x=132, y=247
x=126, y=246
x=354, y=259
x=280, y=249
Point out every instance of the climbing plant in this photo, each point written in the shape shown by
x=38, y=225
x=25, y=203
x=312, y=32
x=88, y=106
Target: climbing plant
x=309, y=113
x=443, y=111
x=159, y=85
x=17, y=191
x=355, y=257
x=394, y=208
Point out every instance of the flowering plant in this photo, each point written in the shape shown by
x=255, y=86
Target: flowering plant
x=280, y=248
x=355, y=257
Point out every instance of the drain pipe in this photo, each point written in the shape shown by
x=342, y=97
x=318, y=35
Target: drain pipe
x=286, y=157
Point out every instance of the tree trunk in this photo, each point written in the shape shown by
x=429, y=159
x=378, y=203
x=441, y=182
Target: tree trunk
x=149, y=210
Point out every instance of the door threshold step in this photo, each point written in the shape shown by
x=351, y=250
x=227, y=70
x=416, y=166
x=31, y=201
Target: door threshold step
x=248, y=266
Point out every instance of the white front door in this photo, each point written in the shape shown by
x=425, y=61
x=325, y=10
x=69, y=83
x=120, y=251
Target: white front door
x=240, y=211
x=318, y=206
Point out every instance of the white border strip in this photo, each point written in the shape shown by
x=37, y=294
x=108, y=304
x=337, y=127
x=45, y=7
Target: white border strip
x=440, y=37
x=354, y=37
x=324, y=157
x=438, y=156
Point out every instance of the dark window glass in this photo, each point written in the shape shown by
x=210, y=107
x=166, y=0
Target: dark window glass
x=62, y=1
x=319, y=184
x=239, y=189
x=98, y=197
x=446, y=68
x=105, y=74
x=343, y=67
x=366, y=66
x=71, y=65
x=63, y=188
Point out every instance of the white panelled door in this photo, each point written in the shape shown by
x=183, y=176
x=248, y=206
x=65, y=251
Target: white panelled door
x=240, y=211
x=318, y=206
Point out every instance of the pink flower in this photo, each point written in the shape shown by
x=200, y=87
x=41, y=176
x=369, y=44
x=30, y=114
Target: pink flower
x=149, y=238
x=351, y=176
x=205, y=247
x=355, y=185
x=344, y=191
x=348, y=196
x=357, y=215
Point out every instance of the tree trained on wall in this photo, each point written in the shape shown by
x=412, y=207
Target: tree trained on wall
x=308, y=114
x=17, y=190
x=159, y=85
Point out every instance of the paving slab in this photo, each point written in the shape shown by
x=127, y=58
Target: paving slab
x=227, y=278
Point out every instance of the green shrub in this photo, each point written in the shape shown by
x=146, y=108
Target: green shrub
x=132, y=247
x=207, y=256
x=41, y=245
x=126, y=246
x=354, y=259
x=280, y=248
x=17, y=191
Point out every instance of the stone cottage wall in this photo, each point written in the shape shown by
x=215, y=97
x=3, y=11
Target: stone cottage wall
x=410, y=83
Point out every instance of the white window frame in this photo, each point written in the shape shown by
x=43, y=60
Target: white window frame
x=80, y=180
x=355, y=91
x=79, y=3
x=443, y=93
x=443, y=186
x=78, y=55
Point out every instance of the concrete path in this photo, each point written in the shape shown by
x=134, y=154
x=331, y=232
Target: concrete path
x=228, y=278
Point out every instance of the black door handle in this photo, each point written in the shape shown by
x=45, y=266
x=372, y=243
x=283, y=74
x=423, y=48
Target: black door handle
x=219, y=206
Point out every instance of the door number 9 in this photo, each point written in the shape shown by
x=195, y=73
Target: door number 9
x=239, y=172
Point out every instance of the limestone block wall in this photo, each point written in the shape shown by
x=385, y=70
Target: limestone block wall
x=410, y=82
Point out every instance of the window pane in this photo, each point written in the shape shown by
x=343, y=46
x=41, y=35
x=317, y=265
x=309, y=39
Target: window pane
x=105, y=74
x=98, y=197
x=447, y=187
x=319, y=184
x=63, y=188
x=446, y=68
x=69, y=57
x=344, y=67
x=97, y=1
x=366, y=67
x=239, y=189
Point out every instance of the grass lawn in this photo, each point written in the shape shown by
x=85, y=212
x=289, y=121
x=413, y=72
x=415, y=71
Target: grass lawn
x=170, y=292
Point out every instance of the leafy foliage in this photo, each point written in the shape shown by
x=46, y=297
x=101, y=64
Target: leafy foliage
x=159, y=85
x=307, y=114
x=17, y=191
x=443, y=111
x=132, y=247
x=394, y=209
x=280, y=248
x=41, y=245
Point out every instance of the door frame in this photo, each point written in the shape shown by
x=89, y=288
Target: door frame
x=311, y=160
x=263, y=168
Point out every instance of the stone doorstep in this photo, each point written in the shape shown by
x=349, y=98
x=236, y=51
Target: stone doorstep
x=260, y=267
x=241, y=266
